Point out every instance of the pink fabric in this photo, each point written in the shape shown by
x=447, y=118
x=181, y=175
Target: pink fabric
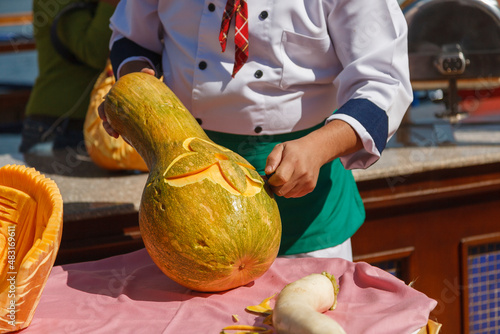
x=129, y=294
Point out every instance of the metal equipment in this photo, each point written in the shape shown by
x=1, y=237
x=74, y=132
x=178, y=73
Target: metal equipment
x=453, y=45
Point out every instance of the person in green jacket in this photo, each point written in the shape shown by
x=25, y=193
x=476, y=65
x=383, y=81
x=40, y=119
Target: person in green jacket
x=72, y=40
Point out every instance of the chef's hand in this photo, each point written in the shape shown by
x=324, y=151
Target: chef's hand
x=132, y=67
x=296, y=163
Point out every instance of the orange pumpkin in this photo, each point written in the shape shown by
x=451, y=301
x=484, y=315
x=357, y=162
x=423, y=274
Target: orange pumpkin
x=105, y=151
x=31, y=215
x=206, y=217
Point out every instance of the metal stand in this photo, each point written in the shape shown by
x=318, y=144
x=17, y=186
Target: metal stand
x=452, y=112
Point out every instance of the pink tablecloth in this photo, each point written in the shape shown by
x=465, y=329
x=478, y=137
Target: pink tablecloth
x=129, y=294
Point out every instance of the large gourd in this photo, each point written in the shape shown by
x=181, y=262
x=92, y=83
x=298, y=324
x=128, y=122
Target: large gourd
x=206, y=217
x=31, y=219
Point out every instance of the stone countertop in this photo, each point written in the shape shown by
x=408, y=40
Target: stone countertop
x=399, y=161
x=425, y=143
x=89, y=191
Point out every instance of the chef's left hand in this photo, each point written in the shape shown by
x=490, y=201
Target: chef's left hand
x=134, y=66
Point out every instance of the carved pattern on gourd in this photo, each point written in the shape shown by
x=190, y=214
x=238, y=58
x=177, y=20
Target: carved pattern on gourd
x=206, y=160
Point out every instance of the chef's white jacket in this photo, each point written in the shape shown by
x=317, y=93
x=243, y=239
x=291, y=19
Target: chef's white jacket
x=307, y=59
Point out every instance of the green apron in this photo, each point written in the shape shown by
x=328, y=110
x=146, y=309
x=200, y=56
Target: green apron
x=324, y=218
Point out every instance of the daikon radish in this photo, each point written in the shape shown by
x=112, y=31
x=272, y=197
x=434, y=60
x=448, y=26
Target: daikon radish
x=300, y=306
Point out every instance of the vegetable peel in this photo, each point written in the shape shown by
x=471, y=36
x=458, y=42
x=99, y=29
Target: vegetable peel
x=246, y=329
x=263, y=308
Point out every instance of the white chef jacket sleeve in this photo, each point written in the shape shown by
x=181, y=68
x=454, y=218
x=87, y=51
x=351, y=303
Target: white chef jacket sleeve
x=136, y=34
x=374, y=90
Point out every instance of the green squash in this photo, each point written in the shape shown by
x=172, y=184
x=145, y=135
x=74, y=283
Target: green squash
x=207, y=219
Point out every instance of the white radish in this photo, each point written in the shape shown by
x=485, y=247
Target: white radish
x=300, y=306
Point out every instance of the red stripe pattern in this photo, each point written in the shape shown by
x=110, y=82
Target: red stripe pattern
x=238, y=10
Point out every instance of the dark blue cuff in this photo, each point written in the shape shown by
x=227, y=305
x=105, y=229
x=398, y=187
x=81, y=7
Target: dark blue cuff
x=373, y=119
x=125, y=48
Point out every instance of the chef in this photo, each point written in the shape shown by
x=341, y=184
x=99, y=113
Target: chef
x=305, y=90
